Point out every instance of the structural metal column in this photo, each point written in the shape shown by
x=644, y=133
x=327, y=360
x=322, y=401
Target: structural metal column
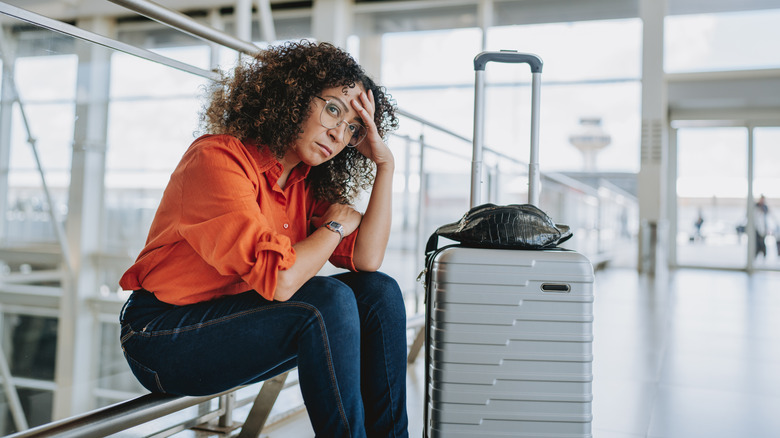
x=7, y=96
x=78, y=330
x=332, y=21
x=654, y=151
x=671, y=196
x=485, y=12
x=244, y=20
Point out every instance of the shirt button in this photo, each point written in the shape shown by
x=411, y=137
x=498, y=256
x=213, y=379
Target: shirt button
x=286, y=226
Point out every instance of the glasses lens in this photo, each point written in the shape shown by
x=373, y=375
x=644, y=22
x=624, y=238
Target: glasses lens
x=330, y=117
x=358, y=134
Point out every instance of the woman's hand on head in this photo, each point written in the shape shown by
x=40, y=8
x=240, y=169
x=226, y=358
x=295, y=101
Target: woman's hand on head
x=344, y=214
x=373, y=147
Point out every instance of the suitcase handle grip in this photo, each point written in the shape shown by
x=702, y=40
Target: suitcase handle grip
x=508, y=56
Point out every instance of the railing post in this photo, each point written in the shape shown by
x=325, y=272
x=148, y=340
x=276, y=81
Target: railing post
x=407, y=178
x=12, y=396
x=419, y=235
x=227, y=403
x=261, y=409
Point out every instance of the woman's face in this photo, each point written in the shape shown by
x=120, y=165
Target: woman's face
x=318, y=143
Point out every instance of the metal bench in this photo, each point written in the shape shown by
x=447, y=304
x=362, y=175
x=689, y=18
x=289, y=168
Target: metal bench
x=147, y=408
x=140, y=410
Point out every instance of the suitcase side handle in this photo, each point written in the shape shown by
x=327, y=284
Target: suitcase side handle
x=509, y=56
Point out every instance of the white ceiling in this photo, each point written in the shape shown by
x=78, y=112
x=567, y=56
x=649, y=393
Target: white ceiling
x=556, y=10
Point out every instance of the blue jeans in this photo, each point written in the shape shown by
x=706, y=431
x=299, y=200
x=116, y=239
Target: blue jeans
x=345, y=333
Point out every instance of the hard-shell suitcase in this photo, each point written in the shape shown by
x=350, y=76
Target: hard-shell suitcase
x=508, y=332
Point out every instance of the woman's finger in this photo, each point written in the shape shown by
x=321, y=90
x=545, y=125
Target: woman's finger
x=365, y=107
x=367, y=99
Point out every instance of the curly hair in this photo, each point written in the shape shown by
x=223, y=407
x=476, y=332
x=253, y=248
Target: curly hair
x=268, y=98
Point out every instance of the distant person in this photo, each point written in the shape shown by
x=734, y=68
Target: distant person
x=761, y=225
x=697, y=226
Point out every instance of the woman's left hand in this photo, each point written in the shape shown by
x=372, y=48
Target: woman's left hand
x=373, y=147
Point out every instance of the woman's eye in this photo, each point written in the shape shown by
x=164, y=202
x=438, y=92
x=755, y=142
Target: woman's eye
x=353, y=129
x=333, y=110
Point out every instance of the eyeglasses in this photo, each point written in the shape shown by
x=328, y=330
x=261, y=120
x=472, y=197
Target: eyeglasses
x=332, y=116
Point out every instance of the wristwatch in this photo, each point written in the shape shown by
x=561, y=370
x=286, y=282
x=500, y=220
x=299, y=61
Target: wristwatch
x=335, y=227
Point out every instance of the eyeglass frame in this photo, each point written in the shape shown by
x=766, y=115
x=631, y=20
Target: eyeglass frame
x=343, y=120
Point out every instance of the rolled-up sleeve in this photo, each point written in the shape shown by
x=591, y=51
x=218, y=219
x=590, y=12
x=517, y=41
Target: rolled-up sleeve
x=222, y=222
x=343, y=255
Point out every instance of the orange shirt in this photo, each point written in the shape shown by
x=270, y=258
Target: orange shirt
x=224, y=226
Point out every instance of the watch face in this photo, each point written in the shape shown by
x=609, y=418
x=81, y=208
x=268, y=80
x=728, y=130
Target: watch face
x=335, y=226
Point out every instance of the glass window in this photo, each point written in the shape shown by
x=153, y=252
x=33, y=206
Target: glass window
x=767, y=163
x=725, y=41
x=615, y=105
x=766, y=184
x=591, y=69
x=605, y=49
x=429, y=59
x=711, y=197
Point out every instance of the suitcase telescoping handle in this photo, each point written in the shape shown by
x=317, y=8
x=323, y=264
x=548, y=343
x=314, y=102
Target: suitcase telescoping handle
x=505, y=56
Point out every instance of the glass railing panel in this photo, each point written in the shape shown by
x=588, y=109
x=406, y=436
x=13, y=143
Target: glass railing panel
x=115, y=380
x=29, y=347
x=424, y=57
x=153, y=114
x=41, y=67
x=171, y=44
x=450, y=107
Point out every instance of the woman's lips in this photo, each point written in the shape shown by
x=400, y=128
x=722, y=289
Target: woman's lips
x=327, y=150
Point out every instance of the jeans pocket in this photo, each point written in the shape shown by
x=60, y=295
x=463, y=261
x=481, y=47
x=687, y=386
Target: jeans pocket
x=146, y=376
x=125, y=332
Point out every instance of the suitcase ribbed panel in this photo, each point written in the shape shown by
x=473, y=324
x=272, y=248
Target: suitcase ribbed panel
x=510, y=344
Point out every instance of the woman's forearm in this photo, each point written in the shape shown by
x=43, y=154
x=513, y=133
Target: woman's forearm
x=311, y=254
x=375, y=227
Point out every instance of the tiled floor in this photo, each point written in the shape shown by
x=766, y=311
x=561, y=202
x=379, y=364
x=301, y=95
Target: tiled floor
x=694, y=353
x=691, y=353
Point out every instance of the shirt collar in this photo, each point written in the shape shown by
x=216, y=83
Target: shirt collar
x=267, y=163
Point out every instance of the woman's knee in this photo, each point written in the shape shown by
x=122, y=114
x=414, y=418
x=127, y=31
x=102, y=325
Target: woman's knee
x=381, y=281
x=379, y=291
x=331, y=299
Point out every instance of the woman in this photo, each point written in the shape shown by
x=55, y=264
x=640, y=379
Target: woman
x=225, y=290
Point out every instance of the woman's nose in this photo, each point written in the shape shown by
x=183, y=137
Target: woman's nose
x=337, y=133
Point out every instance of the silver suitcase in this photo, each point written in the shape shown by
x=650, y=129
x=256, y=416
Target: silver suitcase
x=508, y=332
